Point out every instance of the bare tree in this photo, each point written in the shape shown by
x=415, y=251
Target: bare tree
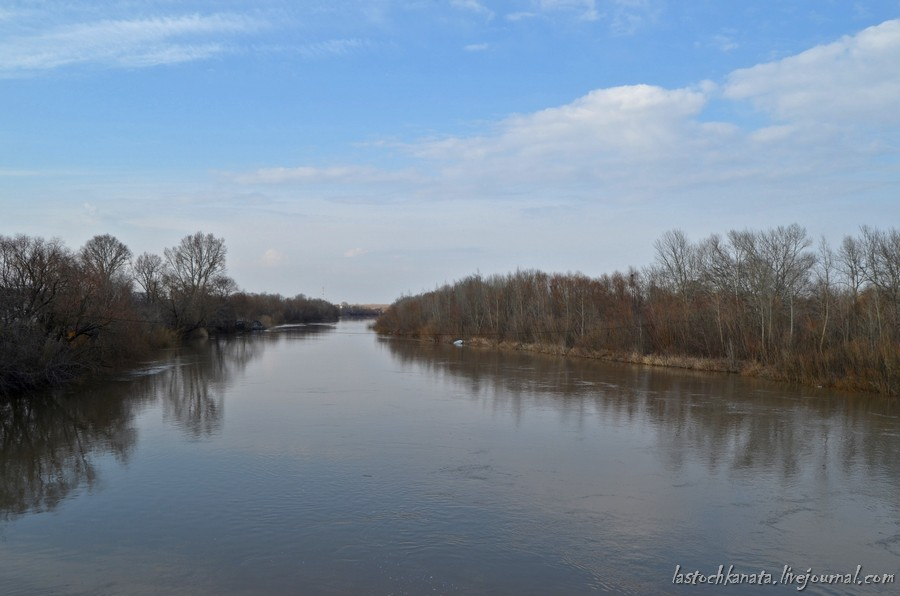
x=103, y=285
x=850, y=264
x=825, y=280
x=881, y=270
x=148, y=271
x=196, y=261
x=775, y=266
x=36, y=276
x=191, y=270
x=33, y=274
x=106, y=257
x=790, y=262
x=679, y=261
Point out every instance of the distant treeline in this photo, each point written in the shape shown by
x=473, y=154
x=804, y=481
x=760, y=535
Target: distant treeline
x=360, y=311
x=65, y=313
x=763, y=301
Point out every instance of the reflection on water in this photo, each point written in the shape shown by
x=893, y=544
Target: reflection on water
x=48, y=441
x=326, y=460
x=727, y=422
x=695, y=469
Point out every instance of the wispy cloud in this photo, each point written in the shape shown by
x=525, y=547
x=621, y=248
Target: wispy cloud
x=332, y=47
x=628, y=16
x=473, y=6
x=724, y=42
x=586, y=9
x=476, y=47
x=623, y=17
x=271, y=258
x=316, y=175
x=8, y=173
x=520, y=16
x=129, y=43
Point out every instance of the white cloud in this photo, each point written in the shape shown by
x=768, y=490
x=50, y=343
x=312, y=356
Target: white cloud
x=476, y=47
x=354, y=252
x=622, y=142
x=588, y=138
x=272, y=258
x=130, y=43
x=473, y=6
x=642, y=141
x=89, y=215
x=724, y=43
x=855, y=79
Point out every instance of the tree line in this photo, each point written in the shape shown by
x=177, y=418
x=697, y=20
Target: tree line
x=66, y=313
x=764, y=301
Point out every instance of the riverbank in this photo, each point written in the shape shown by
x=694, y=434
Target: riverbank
x=85, y=361
x=744, y=368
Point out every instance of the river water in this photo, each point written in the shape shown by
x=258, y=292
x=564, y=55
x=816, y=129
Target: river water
x=327, y=460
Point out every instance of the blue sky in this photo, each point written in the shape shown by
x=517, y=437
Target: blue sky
x=368, y=149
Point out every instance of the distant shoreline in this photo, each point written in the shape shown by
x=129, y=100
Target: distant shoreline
x=755, y=302
x=743, y=368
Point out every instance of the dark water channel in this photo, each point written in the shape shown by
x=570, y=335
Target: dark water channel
x=325, y=460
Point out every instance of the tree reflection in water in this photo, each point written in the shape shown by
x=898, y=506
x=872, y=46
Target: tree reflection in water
x=738, y=425
x=191, y=400
x=48, y=442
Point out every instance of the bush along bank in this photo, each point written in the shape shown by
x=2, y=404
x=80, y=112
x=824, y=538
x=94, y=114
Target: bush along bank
x=66, y=314
x=757, y=302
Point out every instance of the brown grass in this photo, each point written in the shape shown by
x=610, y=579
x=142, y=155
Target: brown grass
x=746, y=368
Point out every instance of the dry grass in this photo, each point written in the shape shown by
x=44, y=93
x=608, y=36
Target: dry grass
x=747, y=368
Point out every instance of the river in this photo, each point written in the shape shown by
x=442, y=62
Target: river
x=328, y=460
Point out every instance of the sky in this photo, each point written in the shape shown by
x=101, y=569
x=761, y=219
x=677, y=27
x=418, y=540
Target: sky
x=365, y=150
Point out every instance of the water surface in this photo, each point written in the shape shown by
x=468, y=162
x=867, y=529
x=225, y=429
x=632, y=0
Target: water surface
x=327, y=460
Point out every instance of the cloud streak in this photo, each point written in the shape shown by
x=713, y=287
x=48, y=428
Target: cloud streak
x=317, y=175
x=586, y=9
x=124, y=43
x=332, y=47
x=473, y=6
